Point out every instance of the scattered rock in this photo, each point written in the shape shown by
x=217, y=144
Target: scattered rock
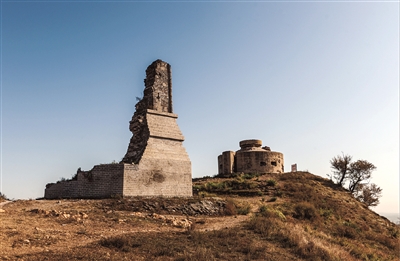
x=55, y=213
x=181, y=223
x=65, y=215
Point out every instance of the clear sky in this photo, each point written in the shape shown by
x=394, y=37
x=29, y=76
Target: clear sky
x=310, y=79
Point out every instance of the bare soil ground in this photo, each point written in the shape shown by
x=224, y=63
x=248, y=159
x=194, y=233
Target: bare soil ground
x=272, y=217
x=31, y=226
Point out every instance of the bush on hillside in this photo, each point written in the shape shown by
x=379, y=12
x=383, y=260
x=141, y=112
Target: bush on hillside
x=305, y=210
x=271, y=182
x=3, y=197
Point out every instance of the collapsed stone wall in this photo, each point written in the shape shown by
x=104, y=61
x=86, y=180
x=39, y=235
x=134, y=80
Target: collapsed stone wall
x=157, y=96
x=102, y=181
x=156, y=147
x=155, y=164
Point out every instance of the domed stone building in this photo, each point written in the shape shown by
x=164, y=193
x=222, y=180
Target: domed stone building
x=251, y=158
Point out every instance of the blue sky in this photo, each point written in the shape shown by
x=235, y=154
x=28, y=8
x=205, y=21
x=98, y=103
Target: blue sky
x=310, y=79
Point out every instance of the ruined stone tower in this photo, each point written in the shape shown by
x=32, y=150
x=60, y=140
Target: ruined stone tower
x=157, y=101
x=155, y=164
x=156, y=143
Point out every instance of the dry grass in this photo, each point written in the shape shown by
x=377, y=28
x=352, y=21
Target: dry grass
x=312, y=219
x=227, y=244
x=3, y=197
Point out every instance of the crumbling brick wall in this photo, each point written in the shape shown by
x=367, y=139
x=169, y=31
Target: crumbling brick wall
x=157, y=96
x=102, y=181
x=156, y=146
x=155, y=164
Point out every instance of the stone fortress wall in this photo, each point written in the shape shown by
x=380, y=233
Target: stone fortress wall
x=251, y=158
x=99, y=182
x=155, y=164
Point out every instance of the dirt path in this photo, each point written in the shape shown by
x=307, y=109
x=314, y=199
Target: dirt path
x=217, y=223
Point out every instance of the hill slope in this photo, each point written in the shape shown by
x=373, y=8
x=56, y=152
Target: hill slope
x=291, y=216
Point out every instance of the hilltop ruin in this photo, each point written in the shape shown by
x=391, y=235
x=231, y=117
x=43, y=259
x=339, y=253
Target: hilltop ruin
x=155, y=164
x=251, y=158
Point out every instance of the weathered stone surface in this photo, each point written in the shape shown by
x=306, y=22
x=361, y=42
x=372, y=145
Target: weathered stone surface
x=153, y=112
x=248, y=144
x=170, y=206
x=155, y=164
x=251, y=158
x=164, y=168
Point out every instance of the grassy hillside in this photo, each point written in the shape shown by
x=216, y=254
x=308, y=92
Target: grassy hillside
x=291, y=216
x=312, y=217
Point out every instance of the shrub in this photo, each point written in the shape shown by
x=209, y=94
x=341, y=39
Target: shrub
x=345, y=231
x=62, y=179
x=204, y=194
x=305, y=210
x=394, y=232
x=230, y=208
x=199, y=254
x=233, y=208
x=247, y=176
x=262, y=225
x=288, y=237
x=250, y=175
x=122, y=243
x=326, y=213
x=389, y=242
x=263, y=209
x=311, y=251
x=117, y=196
x=241, y=184
x=271, y=183
x=243, y=209
x=198, y=187
x=210, y=186
x=271, y=213
x=3, y=197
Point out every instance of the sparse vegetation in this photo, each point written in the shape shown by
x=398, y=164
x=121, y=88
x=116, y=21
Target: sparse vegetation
x=240, y=185
x=62, y=179
x=357, y=175
x=305, y=210
x=340, y=168
x=243, y=208
x=233, y=207
x=3, y=197
x=314, y=219
x=369, y=194
x=271, y=182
